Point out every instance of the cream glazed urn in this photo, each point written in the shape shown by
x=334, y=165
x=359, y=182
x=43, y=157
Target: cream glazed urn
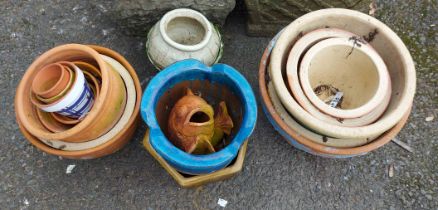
x=183, y=34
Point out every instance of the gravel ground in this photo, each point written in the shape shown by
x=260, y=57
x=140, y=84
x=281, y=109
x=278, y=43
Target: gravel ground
x=275, y=175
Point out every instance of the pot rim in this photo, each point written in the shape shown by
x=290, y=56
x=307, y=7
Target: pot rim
x=127, y=113
x=174, y=73
x=389, y=119
x=306, y=144
x=298, y=49
x=380, y=67
x=20, y=97
x=188, y=13
x=110, y=146
x=49, y=93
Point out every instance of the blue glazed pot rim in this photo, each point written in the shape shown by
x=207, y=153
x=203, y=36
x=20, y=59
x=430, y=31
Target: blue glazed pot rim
x=182, y=71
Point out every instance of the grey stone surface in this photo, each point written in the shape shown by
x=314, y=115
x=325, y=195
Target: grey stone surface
x=136, y=17
x=266, y=17
x=275, y=175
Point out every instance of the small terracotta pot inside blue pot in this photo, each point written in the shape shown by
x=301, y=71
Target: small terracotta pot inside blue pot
x=217, y=83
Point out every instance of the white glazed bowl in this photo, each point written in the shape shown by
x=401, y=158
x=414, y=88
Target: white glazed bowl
x=183, y=34
x=296, y=53
x=389, y=46
x=350, y=66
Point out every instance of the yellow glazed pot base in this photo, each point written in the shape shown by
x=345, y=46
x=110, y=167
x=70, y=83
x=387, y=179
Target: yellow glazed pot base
x=198, y=180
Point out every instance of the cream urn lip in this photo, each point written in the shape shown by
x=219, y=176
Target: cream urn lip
x=185, y=13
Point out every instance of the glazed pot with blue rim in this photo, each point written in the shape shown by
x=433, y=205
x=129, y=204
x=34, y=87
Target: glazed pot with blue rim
x=217, y=83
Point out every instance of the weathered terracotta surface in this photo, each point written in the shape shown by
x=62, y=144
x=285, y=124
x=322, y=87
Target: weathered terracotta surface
x=110, y=147
x=191, y=124
x=213, y=93
x=100, y=118
x=50, y=80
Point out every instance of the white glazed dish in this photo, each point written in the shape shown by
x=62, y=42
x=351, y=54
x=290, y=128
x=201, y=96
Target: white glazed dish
x=389, y=46
x=317, y=138
x=126, y=115
x=183, y=34
x=296, y=53
x=351, y=66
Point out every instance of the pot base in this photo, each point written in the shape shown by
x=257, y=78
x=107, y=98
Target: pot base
x=198, y=180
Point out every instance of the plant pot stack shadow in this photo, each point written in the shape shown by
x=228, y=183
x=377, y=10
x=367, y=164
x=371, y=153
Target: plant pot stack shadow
x=337, y=83
x=78, y=101
x=180, y=92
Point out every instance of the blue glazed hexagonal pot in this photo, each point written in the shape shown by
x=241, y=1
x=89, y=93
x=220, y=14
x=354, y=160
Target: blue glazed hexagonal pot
x=220, y=80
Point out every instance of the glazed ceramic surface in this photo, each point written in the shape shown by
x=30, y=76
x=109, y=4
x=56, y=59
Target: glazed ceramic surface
x=194, y=181
x=296, y=54
x=346, y=65
x=127, y=114
x=115, y=143
x=193, y=71
x=296, y=138
x=183, y=34
x=390, y=47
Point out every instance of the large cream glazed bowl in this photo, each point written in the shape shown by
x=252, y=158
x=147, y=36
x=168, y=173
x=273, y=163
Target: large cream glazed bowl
x=355, y=69
x=389, y=46
x=293, y=61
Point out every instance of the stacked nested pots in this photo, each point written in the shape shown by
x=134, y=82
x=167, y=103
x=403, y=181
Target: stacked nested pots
x=337, y=83
x=78, y=101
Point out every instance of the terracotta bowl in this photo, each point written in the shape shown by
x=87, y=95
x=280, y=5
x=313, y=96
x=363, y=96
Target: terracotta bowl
x=349, y=66
x=215, y=84
x=50, y=123
x=390, y=47
x=95, y=87
x=50, y=80
x=41, y=102
x=299, y=136
x=101, y=118
x=295, y=55
x=117, y=141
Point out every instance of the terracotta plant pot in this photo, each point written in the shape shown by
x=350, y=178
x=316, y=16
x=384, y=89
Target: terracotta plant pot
x=296, y=135
x=51, y=123
x=382, y=39
x=77, y=101
x=95, y=87
x=101, y=118
x=121, y=123
x=50, y=80
x=117, y=141
x=217, y=83
x=41, y=102
x=349, y=66
x=84, y=66
x=198, y=180
x=183, y=34
x=296, y=53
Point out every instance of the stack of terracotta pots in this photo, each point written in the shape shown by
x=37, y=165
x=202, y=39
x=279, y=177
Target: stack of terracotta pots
x=78, y=101
x=337, y=83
